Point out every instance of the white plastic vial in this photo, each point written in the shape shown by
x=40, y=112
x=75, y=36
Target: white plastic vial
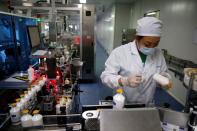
x=24, y=103
x=20, y=105
x=118, y=100
x=37, y=87
x=37, y=119
x=57, y=107
x=62, y=60
x=30, y=72
x=15, y=114
x=26, y=119
x=27, y=99
x=161, y=79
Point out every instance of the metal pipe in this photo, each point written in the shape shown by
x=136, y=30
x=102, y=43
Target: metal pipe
x=189, y=91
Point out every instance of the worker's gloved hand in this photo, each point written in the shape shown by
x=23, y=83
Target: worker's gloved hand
x=132, y=80
x=167, y=75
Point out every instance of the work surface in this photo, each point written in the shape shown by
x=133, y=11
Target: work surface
x=14, y=83
x=111, y=122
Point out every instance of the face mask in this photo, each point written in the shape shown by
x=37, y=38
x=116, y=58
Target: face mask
x=147, y=51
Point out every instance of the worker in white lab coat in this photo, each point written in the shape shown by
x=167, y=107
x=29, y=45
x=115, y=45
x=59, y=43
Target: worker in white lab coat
x=132, y=66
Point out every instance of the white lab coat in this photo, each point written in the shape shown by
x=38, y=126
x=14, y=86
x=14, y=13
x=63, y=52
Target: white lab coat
x=124, y=61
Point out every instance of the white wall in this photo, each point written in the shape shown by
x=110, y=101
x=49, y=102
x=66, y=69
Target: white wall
x=110, y=24
x=122, y=21
x=108, y=32
x=180, y=22
x=104, y=29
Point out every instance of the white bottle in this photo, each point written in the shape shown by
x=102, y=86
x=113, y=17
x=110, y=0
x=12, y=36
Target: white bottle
x=33, y=89
x=24, y=103
x=62, y=60
x=37, y=87
x=31, y=97
x=26, y=119
x=57, y=107
x=118, y=100
x=37, y=119
x=15, y=114
x=20, y=105
x=30, y=72
x=68, y=105
x=162, y=80
x=27, y=99
x=41, y=82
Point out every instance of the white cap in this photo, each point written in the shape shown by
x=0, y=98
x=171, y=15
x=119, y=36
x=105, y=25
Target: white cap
x=149, y=26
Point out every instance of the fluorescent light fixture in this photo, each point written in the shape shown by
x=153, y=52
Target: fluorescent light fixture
x=71, y=26
x=82, y=1
x=27, y=4
x=46, y=26
x=85, y=8
x=79, y=5
x=108, y=19
x=152, y=13
x=75, y=27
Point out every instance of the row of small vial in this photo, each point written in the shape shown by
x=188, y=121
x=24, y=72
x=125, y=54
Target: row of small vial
x=26, y=101
x=63, y=102
x=28, y=120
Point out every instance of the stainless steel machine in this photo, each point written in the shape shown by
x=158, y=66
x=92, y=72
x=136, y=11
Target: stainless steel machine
x=137, y=119
x=88, y=44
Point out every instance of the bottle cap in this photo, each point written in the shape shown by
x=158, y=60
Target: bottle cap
x=13, y=104
x=22, y=95
x=119, y=90
x=67, y=81
x=25, y=111
x=36, y=112
x=18, y=99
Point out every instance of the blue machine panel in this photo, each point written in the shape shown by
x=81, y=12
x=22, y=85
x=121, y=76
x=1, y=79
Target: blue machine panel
x=8, y=54
x=14, y=44
x=23, y=44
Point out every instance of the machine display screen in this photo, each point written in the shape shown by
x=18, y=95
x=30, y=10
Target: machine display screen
x=34, y=36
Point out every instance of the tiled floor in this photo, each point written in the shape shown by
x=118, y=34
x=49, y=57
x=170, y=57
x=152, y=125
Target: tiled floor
x=90, y=95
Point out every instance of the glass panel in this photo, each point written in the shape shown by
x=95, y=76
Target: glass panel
x=7, y=47
x=23, y=44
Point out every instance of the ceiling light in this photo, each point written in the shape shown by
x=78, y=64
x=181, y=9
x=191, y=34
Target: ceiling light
x=85, y=8
x=79, y=5
x=151, y=13
x=82, y=1
x=71, y=26
x=27, y=4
